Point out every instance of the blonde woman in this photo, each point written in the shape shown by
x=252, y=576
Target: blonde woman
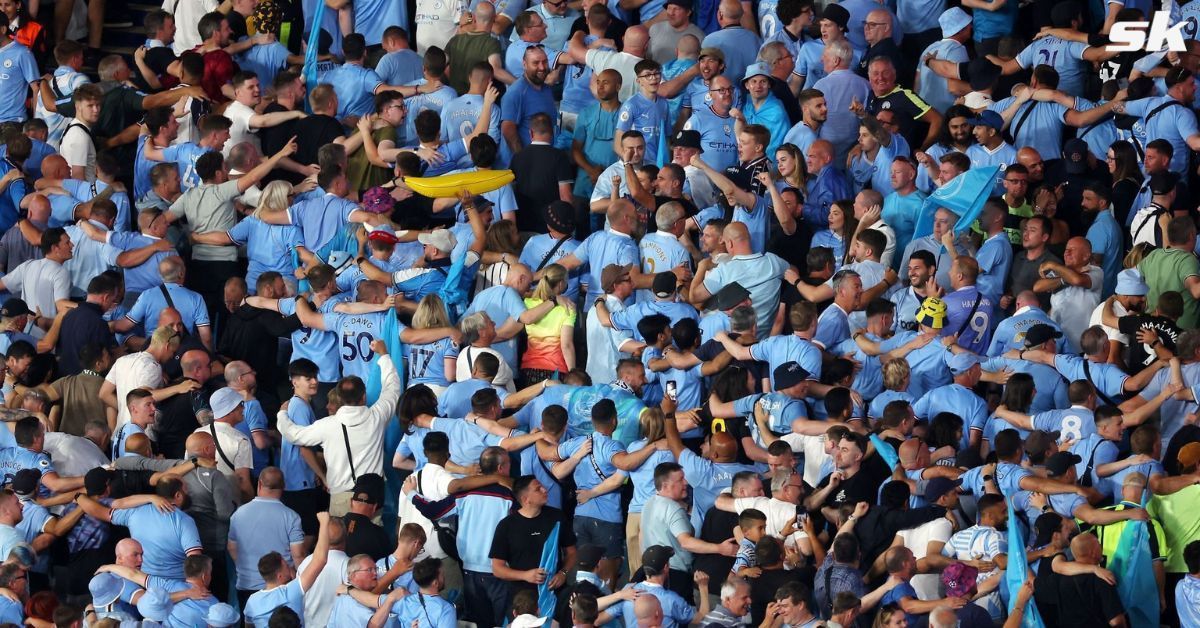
x=896, y=375
x=433, y=363
x=642, y=478
x=551, y=346
x=268, y=247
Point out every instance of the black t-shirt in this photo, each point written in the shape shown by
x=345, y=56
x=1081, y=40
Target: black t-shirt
x=1186, y=434
x=178, y=418
x=908, y=106
x=860, y=487
x=615, y=31
x=1142, y=355
x=539, y=168
x=311, y=134
x=274, y=138
x=1087, y=601
x=711, y=348
x=364, y=537
x=519, y=540
x=763, y=588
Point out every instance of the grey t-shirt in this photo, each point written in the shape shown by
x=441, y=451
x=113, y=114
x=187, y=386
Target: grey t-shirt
x=213, y=497
x=209, y=207
x=663, y=520
x=1024, y=273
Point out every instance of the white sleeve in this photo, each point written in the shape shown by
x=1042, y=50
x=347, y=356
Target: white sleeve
x=242, y=458
x=74, y=150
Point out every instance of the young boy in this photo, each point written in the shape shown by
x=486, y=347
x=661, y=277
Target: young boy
x=656, y=329
x=396, y=569
x=645, y=111
x=753, y=524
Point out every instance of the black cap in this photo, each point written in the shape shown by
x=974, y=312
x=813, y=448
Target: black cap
x=680, y=3
x=96, y=481
x=588, y=556
x=1060, y=462
x=935, y=488
x=789, y=374
x=664, y=285
x=368, y=489
x=656, y=557
x=1163, y=182
x=687, y=138
x=729, y=296
x=837, y=14
x=981, y=73
x=1075, y=156
x=25, y=482
x=560, y=216
x=1040, y=334
x=14, y=307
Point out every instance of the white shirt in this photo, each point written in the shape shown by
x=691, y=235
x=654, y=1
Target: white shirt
x=604, y=343
x=41, y=283
x=466, y=361
x=434, y=485
x=1113, y=333
x=236, y=447
x=79, y=150
x=318, y=599
x=927, y=585
x=778, y=514
x=136, y=370
x=240, y=132
x=622, y=62
x=73, y=455
x=1071, y=307
x=187, y=19
x=436, y=22
x=813, y=448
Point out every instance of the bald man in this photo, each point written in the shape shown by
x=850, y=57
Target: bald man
x=760, y=274
x=1074, y=286
x=649, y=611
x=739, y=42
x=637, y=39
x=260, y=527
x=16, y=247
x=826, y=184
x=170, y=294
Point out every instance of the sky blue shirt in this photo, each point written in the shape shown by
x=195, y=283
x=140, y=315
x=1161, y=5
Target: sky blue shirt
x=10, y=537
x=373, y=16
x=1003, y=156
x=151, y=303
x=1107, y=378
x=642, y=478
x=716, y=137
x=467, y=440
x=320, y=219
x=992, y=24
x=521, y=102
x=955, y=399
x=877, y=173
x=771, y=115
x=1107, y=240
x=317, y=345
x=355, y=87
x=1043, y=127
x=502, y=304
x=539, y=246
x=841, y=87
x=759, y=274
x=1010, y=332
x=594, y=470
x=900, y=212
x=927, y=364
x=166, y=538
x=260, y=527
x=263, y=603
x=708, y=479
x=185, y=155
x=427, y=362
x=1051, y=387
x=1097, y=451
x=400, y=67
x=676, y=611
x=995, y=258
x=650, y=117
x=779, y=350
x=17, y=70
x=601, y=249
x=456, y=401
x=265, y=60
x=740, y=47
x=356, y=332
x=479, y=512
x=833, y=326
x=425, y=611
x=297, y=475
x=780, y=409
x=348, y=613
x=121, y=435
x=268, y=247
x=801, y=135
x=433, y=101
x=594, y=128
x=1064, y=56
x=629, y=318
x=868, y=380
x=460, y=115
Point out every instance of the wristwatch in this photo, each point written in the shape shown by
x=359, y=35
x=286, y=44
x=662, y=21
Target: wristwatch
x=195, y=461
x=988, y=478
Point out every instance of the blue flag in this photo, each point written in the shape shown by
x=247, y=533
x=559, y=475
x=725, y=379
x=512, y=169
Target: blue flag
x=664, y=152
x=549, y=562
x=1133, y=566
x=309, y=70
x=1017, y=571
x=963, y=195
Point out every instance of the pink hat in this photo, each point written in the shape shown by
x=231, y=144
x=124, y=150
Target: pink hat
x=959, y=579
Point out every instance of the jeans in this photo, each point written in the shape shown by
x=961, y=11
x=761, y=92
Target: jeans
x=487, y=598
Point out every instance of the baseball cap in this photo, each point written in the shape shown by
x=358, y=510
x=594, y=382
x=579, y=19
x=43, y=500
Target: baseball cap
x=988, y=118
x=679, y=3
x=440, y=239
x=155, y=605
x=224, y=401
x=932, y=313
x=560, y=216
x=664, y=285
x=25, y=482
x=368, y=489
x=960, y=363
x=14, y=307
x=96, y=480
x=656, y=557
x=222, y=615
x=383, y=233
x=687, y=138
x=756, y=69
x=789, y=374
x=1131, y=284
x=729, y=296
x=1189, y=455
x=1040, y=334
x=837, y=14
x=1075, y=156
x=105, y=588
x=935, y=488
x=1163, y=182
x=715, y=53
x=953, y=20
x=1060, y=462
x=1040, y=440
x=588, y=556
x=959, y=579
x=612, y=275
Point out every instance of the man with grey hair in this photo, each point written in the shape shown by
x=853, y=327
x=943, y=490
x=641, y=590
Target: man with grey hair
x=662, y=249
x=606, y=344
x=844, y=92
x=943, y=617
x=735, y=603
x=244, y=157
x=833, y=326
x=479, y=331
x=172, y=294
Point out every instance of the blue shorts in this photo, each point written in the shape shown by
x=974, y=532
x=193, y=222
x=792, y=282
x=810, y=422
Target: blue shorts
x=605, y=534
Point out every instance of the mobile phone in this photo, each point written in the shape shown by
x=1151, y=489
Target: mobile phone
x=672, y=390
